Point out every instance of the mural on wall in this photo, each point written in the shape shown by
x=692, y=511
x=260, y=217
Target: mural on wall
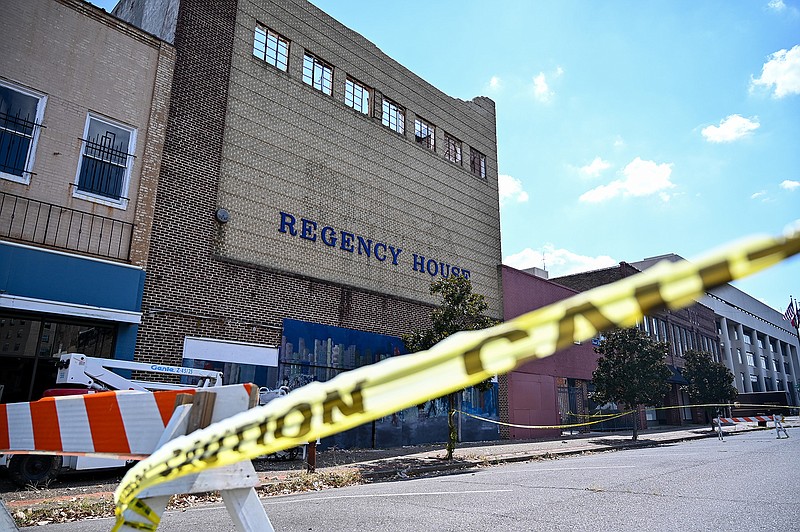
x=314, y=352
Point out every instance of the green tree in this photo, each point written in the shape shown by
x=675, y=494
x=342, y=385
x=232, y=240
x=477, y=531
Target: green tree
x=632, y=371
x=460, y=310
x=709, y=382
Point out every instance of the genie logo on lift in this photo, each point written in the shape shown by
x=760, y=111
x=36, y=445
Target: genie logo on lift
x=172, y=369
x=349, y=242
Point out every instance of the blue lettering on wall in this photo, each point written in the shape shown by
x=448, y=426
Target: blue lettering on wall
x=347, y=241
x=380, y=251
x=354, y=243
x=328, y=236
x=309, y=231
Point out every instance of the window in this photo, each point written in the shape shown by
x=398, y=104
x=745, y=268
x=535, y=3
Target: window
x=477, y=163
x=739, y=352
x=106, y=160
x=773, y=345
x=750, y=360
x=764, y=362
x=356, y=96
x=424, y=134
x=393, y=116
x=746, y=337
x=452, y=150
x=317, y=73
x=21, y=113
x=787, y=368
x=271, y=47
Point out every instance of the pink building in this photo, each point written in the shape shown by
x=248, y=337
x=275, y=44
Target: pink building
x=551, y=391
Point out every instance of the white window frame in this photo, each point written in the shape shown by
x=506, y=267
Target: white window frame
x=393, y=116
x=25, y=178
x=281, y=44
x=122, y=203
x=353, y=89
x=425, y=134
x=481, y=165
x=313, y=65
x=454, y=150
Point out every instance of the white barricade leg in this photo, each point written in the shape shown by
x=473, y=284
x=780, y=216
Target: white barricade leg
x=236, y=483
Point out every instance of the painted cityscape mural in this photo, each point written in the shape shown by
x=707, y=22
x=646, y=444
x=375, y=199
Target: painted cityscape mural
x=314, y=352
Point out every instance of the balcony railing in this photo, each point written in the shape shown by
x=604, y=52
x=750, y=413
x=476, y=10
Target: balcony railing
x=26, y=220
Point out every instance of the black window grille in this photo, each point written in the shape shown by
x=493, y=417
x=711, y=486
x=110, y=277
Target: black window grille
x=16, y=138
x=104, y=166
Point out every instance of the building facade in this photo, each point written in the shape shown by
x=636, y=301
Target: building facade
x=551, y=391
x=83, y=107
x=693, y=327
x=756, y=343
x=311, y=190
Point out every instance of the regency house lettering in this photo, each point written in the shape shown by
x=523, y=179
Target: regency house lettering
x=350, y=242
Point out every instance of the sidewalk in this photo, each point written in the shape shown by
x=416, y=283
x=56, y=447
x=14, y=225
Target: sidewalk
x=424, y=460
x=375, y=465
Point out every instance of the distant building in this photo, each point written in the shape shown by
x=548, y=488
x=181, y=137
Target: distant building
x=311, y=190
x=750, y=338
x=690, y=328
x=757, y=344
x=83, y=108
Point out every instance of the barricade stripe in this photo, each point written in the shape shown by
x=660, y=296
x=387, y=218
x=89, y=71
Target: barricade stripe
x=4, y=443
x=105, y=423
x=46, y=431
x=364, y=394
x=19, y=417
x=76, y=435
x=142, y=420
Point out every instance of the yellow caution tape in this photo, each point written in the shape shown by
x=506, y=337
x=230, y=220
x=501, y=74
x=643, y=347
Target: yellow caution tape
x=320, y=409
x=606, y=417
x=572, y=425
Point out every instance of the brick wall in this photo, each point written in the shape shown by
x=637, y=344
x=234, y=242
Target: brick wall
x=84, y=61
x=240, y=136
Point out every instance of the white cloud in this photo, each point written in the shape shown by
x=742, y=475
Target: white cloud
x=731, y=128
x=541, y=90
x=495, y=84
x=790, y=185
x=641, y=178
x=557, y=261
x=619, y=142
x=511, y=190
x=776, y=5
x=782, y=71
x=541, y=87
x=760, y=194
x=595, y=168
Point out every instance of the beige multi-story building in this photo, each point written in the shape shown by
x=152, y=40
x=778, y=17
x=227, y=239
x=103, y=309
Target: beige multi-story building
x=83, y=108
x=311, y=190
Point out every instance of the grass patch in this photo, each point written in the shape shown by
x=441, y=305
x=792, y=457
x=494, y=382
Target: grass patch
x=78, y=508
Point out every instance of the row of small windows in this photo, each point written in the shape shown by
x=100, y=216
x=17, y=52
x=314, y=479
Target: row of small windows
x=106, y=156
x=680, y=338
x=761, y=341
x=273, y=48
x=751, y=361
x=755, y=385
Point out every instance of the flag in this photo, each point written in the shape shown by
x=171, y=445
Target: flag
x=791, y=314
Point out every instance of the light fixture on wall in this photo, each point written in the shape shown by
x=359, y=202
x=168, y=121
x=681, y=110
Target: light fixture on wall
x=222, y=215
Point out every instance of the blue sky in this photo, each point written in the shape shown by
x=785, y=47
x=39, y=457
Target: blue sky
x=625, y=129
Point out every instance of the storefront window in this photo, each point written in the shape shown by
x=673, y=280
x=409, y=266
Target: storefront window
x=28, y=364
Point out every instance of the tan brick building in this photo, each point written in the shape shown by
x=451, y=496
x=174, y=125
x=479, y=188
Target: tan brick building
x=309, y=182
x=83, y=106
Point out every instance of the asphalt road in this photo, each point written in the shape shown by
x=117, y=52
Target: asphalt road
x=748, y=482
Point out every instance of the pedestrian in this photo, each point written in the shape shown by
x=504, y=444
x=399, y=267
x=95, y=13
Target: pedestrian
x=778, y=419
